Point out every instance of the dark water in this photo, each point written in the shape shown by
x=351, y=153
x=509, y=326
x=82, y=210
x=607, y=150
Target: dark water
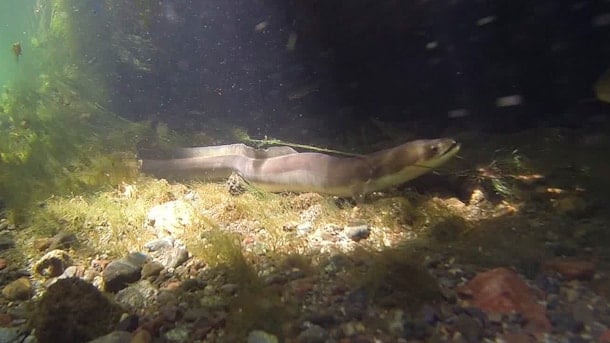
x=494, y=64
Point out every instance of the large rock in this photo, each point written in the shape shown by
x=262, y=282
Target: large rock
x=139, y=295
x=73, y=310
x=501, y=290
x=170, y=218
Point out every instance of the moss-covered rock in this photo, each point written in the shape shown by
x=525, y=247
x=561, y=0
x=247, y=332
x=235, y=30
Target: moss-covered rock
x=73, y=310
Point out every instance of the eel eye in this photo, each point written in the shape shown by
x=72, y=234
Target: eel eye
x=434, y=149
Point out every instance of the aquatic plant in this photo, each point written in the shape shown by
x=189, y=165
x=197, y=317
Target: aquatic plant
x=394, y=277
x=55, y=137
x=242, y=135
x=49, y=148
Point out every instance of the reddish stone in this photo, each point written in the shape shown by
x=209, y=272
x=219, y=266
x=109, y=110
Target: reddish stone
x=339, y=290
x=3, y=263
x=172, y=286
x=570, y=269
x=99, y=265
x=604, y=337
x=5, y=319
x=42, y=244
x=602, y=287
x=518, y=337
x=302, y=287
x=501, y=290
x=153, y=325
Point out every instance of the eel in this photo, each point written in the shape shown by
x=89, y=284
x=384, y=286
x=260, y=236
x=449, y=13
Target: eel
x=283, y=169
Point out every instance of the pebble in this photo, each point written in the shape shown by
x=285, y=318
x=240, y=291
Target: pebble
x=190, y=285
x=470, y=328
x=3, y=263
x=151, y=268
x=21, y=310
x=139, y=295
x=582, y=312
x=129, y=323
x=396, y=323
x=6, y=242
x=114, y=337
x=415, y=329
x=118, y=274
x=356, y=304
x=62, y=240
x=170, y=218
x=235, y=185
x=11, y=334
x=303, y=228
x=141, y=336
x=53, y=263
x=73, y=271
x=323, y=319
x=178, y=334
x=174, y=257
x=229, y=288
x=570, y=269
x=517, y=337
x=313, y=334
x=5, y=319
x=20, y=289
x=429, y=314
x=604, y=337
x=357, y=232
x=572, y=206
x=167, y=252
x=564, y=322
x=160, y=244
x=258, y=336
x=194, y=314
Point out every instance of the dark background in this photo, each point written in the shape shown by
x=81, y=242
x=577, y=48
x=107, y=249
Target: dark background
x=406, y=61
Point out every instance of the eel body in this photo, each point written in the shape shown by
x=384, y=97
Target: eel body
x=282, y=169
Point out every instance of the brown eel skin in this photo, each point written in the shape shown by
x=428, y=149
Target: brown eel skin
x=282, y=169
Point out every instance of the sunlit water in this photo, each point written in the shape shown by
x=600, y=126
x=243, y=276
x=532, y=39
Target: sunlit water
x=15, y=26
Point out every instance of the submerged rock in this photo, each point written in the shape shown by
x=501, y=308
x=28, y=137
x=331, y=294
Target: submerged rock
x=73, y=310
x=357, y=231
x=313, y=334
x=139, y=295
x=53, y=263
x=14, y=334
x=258, y=336
x=118, y=274
x=170, y=218
x=62, y=240
x=501, y=290
x=6, y=242
x=114, y=337
x=20, y=289
x=570, y=269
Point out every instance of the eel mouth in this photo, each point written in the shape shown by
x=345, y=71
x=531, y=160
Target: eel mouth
x=453, y=148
